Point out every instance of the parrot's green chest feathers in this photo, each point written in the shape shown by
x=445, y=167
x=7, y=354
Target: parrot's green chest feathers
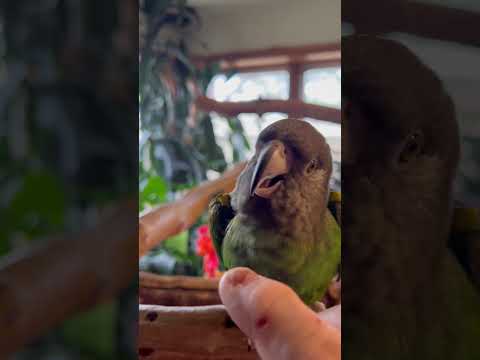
x=304, y=260
x=307, y=269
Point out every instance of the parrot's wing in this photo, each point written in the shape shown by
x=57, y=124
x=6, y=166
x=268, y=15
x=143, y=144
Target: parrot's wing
x=473, y=243
x=465, y=241
x=335, y=207
x=220, y=215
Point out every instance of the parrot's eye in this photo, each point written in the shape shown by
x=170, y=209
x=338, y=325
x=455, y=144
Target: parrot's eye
x=412, y=147
x=311, y=166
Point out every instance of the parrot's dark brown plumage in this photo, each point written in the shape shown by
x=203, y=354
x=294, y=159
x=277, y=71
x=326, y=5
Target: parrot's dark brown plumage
x=405, y=296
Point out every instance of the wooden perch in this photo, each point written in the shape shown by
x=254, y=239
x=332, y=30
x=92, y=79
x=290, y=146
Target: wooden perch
x=203, y=332
x=178, y=290
x=196, y=291
x=173, y=218
x=178, y=297
x=294, y=108
x=190, y=331
x=177, y=282
x=42, y=287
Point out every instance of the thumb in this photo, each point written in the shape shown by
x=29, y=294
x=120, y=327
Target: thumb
x=277, y=321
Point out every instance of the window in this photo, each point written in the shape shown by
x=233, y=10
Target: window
x=312, y=72
x=247, y=86
x=322, y=86
x=250, y=86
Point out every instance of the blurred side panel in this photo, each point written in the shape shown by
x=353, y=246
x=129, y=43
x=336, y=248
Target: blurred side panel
x=69, y=165
x=410, y=179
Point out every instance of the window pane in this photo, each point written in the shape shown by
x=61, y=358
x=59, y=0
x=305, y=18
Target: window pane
x=253, y=124
x=322, y=86
x=332, y=133
x=246, y=87
x=250, y=86
x=327, y=128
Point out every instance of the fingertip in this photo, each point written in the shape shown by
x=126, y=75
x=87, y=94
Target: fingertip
x=234, y=296
x=274, y=317
x=236, y=277
x=232, y=281
x=333, y=316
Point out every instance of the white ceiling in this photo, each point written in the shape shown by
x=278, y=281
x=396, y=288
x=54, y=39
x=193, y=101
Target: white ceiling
x=223, y=3
x=233, y=25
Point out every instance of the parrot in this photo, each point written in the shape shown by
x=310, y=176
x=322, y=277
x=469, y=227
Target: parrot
x=405, y=294
x=277, y=221
x=465, y=240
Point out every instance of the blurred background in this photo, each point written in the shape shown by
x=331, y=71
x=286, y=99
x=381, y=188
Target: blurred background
x=68, y=155
x=199, y=60
x=445, y=36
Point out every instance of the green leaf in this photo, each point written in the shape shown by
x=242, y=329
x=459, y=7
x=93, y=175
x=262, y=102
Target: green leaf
x=37, y=207
x=153, y=191
x=207, y=145
x=177, y=244
x=4, y=244
x=78, y=333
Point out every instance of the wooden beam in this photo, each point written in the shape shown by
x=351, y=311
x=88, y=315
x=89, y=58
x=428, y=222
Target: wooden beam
x=198, y=332
x=316, y=55
x=255, y=67
x=426, y=20
x=296, y=79
x=37, y=293
x=170, y=219
x=298, y=107
x=290, y=52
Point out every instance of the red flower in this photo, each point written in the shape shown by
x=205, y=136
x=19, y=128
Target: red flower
x=206, y=249
x=210, y=264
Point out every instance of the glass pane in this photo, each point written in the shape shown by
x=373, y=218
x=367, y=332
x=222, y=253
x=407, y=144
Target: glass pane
x=332, y=133
x=327, y=128
x=250, y=86
x=253, y=124
x=322, y=86
x=246, y=87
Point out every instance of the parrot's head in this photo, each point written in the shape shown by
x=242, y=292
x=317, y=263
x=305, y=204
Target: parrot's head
x=288, y=173
x=396, y=115
x=400, y=149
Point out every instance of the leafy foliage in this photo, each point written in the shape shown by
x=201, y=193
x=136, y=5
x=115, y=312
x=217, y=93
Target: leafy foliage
x=177, y=147
x=66, y=138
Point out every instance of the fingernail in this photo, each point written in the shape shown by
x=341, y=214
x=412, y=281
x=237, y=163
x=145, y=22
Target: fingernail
x=241, y=277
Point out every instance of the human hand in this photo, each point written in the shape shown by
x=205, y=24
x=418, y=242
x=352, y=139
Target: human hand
x=277, y=321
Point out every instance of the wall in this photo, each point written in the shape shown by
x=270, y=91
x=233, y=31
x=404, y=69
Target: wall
x=240, y=25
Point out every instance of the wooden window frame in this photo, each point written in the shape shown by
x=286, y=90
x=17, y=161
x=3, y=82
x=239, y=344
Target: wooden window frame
x=295, y=60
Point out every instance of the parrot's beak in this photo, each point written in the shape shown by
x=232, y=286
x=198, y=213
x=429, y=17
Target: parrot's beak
x=270, y=170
